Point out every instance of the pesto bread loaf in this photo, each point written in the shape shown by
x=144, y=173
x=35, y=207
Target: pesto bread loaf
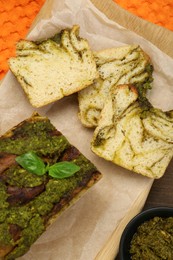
x=41, y=174
x=122, y=65
x=53, y=68
x=133, y=134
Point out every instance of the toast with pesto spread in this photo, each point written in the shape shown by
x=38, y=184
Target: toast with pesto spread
x=133, y=134
x=32, y=198
x=122, y=65
x=51, y=69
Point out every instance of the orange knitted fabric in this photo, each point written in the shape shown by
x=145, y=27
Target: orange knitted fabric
x=16, y=16
x=156, y=11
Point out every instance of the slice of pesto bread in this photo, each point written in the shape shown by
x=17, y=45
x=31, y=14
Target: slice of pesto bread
x=122, y=65
x=30, y=202
x=54, y=68
x=133, y=134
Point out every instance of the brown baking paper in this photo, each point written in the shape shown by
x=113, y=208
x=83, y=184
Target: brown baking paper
x=82, y=231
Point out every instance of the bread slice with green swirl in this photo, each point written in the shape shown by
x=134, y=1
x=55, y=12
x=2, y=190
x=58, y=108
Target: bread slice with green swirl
x=133, y=134
x=123, y=65
x=53, y=68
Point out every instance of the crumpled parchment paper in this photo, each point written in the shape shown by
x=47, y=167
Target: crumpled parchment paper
x=81, y=231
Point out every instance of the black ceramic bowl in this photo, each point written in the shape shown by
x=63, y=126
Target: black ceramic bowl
x=132, y=226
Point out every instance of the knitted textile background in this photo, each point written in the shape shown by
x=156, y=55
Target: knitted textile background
x=16, y=16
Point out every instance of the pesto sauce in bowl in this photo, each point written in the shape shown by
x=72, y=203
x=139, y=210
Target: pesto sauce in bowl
x=148, y=236
x=153, y=240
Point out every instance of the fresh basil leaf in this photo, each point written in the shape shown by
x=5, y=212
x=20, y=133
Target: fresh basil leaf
x=32, y=163
x=63, y=170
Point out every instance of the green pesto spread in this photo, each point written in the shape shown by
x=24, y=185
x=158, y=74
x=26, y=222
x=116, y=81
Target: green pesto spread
x=153, y=240
x=143, y=87
x=34, y=137
x=19, y=177
x=29, y=217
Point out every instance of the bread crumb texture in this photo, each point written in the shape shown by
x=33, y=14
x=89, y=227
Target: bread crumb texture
x=54, y=68
x=128, y=135
x=120, y=65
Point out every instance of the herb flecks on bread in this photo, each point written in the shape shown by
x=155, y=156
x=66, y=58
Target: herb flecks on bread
x=54, y=68
x=123, y=65
x=135, y=137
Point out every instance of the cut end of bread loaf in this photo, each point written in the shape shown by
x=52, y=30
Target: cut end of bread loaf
x=122, y=65
x=136, y=138
x=50, y=70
